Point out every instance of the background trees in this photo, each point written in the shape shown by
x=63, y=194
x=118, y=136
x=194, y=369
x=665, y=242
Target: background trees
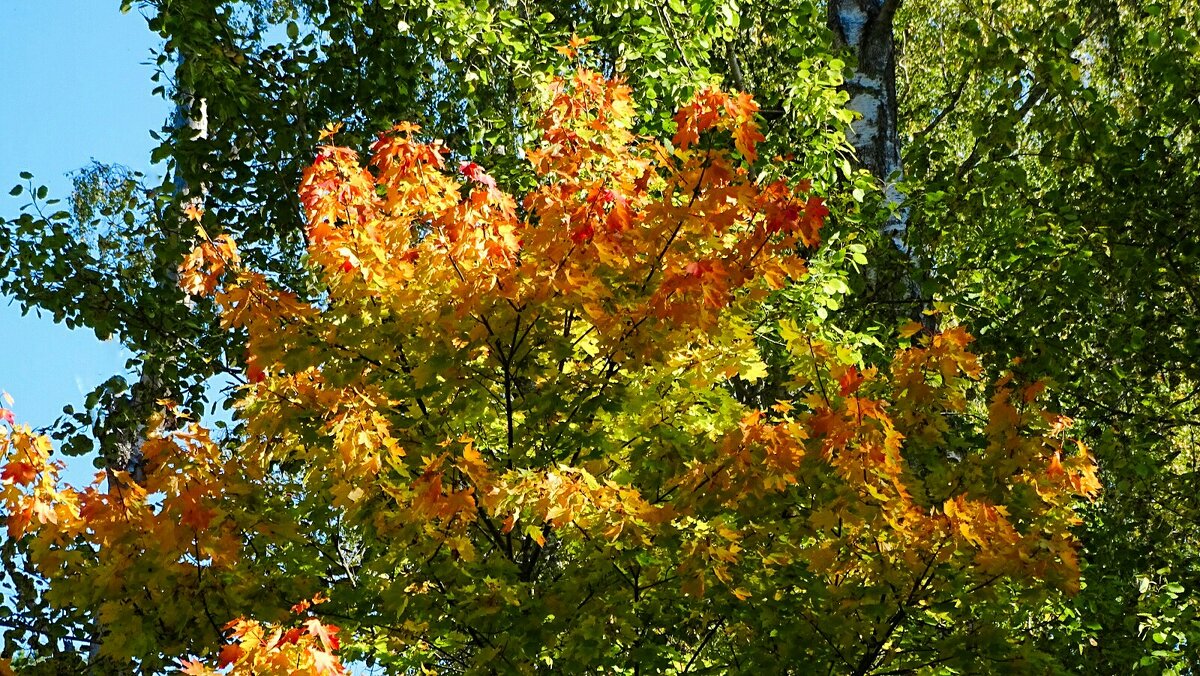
x=1056, y=166
x=1048, y=156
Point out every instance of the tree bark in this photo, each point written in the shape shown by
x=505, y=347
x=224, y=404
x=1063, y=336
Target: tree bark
x=864, y=29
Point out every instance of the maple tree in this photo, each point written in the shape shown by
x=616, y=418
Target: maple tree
x=505, y=434
x=1048, y=156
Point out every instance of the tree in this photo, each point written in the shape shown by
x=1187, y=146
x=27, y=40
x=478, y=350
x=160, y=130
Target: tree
x=265, y=99
x=1052, y=163
x=1048, y=160
x=505, y=436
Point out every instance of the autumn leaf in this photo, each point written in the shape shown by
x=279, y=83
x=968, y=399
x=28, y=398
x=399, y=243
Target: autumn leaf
x=19, y=472
x=194, y=668
x=329, y=131
x=535, y=532
x=850, y=381
x=475, y=173
x=571, y=49
x=911, y=329
x=230, y=654
x=325, y=633
x=325, y=662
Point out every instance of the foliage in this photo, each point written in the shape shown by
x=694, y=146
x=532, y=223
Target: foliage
x=504, y=433
x=1053, y=159
x=1050, y=168
x=255, y=81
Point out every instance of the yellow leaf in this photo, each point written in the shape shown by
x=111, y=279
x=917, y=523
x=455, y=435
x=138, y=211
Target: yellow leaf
x=329, y=130
x=536, y=533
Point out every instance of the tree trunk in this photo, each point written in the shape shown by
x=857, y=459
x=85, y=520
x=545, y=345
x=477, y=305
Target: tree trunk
x=864, y=29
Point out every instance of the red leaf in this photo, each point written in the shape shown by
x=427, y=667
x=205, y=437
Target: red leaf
x=475, y=173
x=255, y=374
x=291, y=636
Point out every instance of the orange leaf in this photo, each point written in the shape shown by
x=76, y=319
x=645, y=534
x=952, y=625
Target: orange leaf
x=850, y=381
x=19, y=472
x=509, y=523
x=1055, y=469
x=1033, y=390
x=229, y=655
x=325, y=633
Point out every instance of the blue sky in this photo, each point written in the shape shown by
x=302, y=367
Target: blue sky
x=76, y=87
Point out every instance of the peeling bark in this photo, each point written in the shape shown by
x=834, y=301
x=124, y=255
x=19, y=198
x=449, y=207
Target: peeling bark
x=864, y=29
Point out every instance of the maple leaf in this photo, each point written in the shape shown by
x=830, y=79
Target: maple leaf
x=475, y=173
x=325, y=662
x=535, y=532
x=850, y=381
x=194, y=668
x=325, y=633
x=1055, y=469
x=19, y=472
x=571, y=49
x=7, y=416
x=230, y=654
x=18, y=521
x=1032, y=391
x=329, y=131
x=291, y=636
x=196, y=516
x=254, y=371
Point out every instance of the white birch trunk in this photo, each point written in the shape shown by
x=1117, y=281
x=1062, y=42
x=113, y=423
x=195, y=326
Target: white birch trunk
x=864, y=27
